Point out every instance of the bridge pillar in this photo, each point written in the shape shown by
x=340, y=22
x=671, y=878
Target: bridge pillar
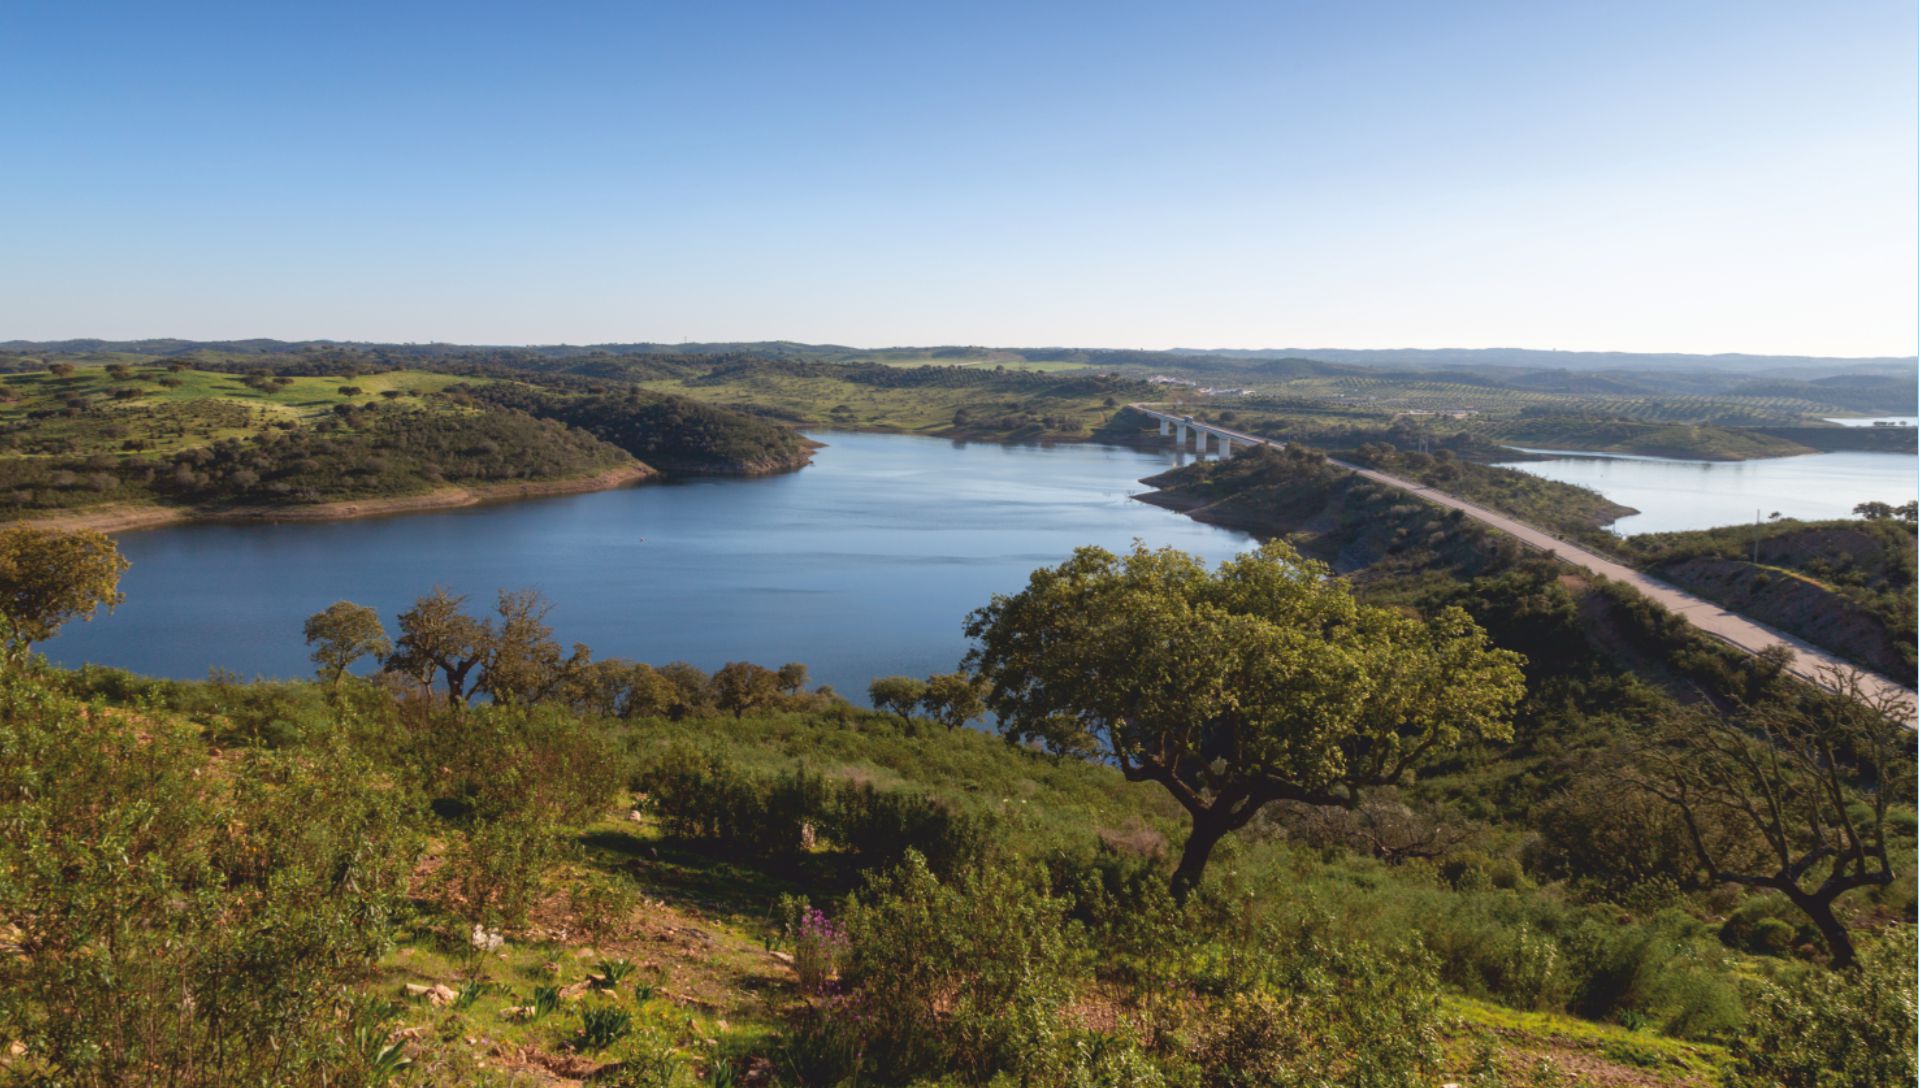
x=1199, y=440
x=1225, y=447
x=1165, y=427
x=1180, y=442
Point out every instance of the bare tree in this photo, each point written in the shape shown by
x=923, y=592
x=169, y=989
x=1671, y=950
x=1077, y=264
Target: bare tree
x=1790, y=794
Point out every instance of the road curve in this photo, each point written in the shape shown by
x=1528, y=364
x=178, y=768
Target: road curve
x=1809, y=662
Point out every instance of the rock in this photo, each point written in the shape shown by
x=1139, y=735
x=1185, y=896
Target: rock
x=517, y=1012
x=783, y=957
x=437, y=994
x=635, y=816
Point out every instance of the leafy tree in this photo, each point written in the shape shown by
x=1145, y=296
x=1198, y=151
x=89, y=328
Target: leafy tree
x=619, y=689
x=648, y=693
x=61, y=370
x=741, y=686
x=897, y=694
x=522, y=663
x=793, y=677
x=953, y=699
x=1261, y=681
x=48, y=578
x=438, y=641
x=1874, y=511
x=342, y=634
x=692, y=688
x=1790, y=795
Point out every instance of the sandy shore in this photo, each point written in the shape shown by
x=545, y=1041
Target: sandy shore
x=123, y=518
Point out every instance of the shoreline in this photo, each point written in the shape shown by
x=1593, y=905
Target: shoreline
x=119, y=519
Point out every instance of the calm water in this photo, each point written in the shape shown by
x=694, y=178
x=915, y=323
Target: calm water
x=1672, y=495
x=864, y=564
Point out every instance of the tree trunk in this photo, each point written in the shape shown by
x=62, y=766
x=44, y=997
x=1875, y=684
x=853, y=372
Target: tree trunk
x=1819, y=910
x=1208, y=829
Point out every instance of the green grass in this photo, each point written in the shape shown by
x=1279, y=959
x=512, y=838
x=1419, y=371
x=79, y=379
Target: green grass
x=827, y=403
x=1669, y=1059
x=204, y=407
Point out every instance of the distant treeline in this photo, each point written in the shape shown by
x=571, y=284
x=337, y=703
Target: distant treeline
x=674, y=434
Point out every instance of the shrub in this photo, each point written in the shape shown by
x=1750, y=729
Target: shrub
x=953, y=976
x=603, y=1025
x=1835, y=1029
x=703, y=795
x=1302, y=1004
x=818, y=948
x=492, y=870
x=156, y=902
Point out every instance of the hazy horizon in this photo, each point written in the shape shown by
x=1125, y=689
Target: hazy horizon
x=964, y=344
x=1708, y=178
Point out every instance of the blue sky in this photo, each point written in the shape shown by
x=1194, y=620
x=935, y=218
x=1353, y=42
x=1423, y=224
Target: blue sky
x=1630, y=176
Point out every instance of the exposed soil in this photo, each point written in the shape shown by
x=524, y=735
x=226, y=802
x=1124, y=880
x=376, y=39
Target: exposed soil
x=1794, y=604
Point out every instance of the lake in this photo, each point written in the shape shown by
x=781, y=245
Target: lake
x=1874, y=421
x=1672, y=495
x=863, y=564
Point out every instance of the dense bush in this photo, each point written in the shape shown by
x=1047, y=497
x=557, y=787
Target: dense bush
x=988, y=974
x=179, y=922
x=1825, y=1029
x=698, y=794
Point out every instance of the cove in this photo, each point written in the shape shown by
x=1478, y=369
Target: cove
x=863, y=564
x=1673, y=495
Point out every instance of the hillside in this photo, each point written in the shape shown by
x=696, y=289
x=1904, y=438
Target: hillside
x=1846, y=586
x=1295, y=490
x=492, y=859
x=676, y=434
x=1682, y=440
x=133, y=435
x=1327, y=512
x=614, y=873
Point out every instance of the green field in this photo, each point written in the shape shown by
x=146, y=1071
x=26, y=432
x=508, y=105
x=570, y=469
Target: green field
x=1031, y=410
x=156, y=410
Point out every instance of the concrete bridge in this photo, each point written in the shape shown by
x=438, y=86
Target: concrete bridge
x=1809, y=662
x=1222, y=439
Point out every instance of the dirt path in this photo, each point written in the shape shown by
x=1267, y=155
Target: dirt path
x=1809, y=662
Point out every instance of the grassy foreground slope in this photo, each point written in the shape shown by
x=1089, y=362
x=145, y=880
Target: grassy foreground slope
x=667, y=906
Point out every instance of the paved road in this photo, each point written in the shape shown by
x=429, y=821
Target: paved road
x=1808, y=662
